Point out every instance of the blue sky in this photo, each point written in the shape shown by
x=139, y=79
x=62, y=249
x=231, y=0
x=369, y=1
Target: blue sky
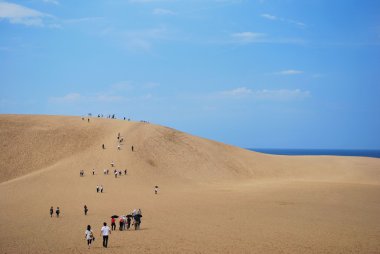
x=259, y=73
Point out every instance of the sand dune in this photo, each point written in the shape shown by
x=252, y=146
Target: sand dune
x=214, y=198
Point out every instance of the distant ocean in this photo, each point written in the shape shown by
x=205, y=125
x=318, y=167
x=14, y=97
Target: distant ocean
x=339, y=152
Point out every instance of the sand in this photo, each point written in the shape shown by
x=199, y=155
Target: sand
x=213, y=197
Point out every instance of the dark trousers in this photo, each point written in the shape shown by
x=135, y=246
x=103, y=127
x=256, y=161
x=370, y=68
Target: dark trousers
x=113, y=226
x=105, y=241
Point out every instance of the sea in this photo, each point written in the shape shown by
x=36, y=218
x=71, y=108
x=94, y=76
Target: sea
x=339, y=152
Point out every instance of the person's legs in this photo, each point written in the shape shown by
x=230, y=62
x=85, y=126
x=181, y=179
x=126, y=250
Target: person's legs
x=106, y=241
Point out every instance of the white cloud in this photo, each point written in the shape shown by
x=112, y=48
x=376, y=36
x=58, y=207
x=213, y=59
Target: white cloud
x=68, y=98
x=83, y=19
x=76, y=97
x=136, y=40
x=123, y=85
x=106, y=98
x=247, y=37
x=264, y=94
x=268, y=16
x=117, y=92
x=148, y=1
x=290, y=21
x=18, y=14
x=56, y=2
x=150, y=85
x=281, y=94
x=237, y=92
x=163, y=12
x=289, y=72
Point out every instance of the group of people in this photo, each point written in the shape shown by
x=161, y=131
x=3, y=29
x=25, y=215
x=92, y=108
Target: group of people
x=109, y=116
x=106, y=172
x=119, y=172
x=99, y=188
x=125, y=221
x=105, y=231
x=57, y=212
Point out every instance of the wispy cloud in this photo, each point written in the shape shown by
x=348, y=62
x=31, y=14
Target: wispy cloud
x=83, y=19
x=18, y=14
x=282, y=94
x=79, y=98
x=163, y=12
x=289, y=72
x=237, y=92
x=248, y=37
x=254, y=37
x=118, y=92
x=137, y=40
x=268, y=16
x=264, y=94
x=122, y=85
x=56, y=2
x=68, y=98
x=148, y=1
x=276, y=18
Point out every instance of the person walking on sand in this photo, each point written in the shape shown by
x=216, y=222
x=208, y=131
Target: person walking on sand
x=51, y=211
x=105, y=231
x=57, y=212
x=89, y=236
x=93, y=171
x=101, y=188
x=121, y=223
x=112, y=164
x=113, y=224
x=155, y=189
x=132, y=148
x=118, y=147
x=85, y=209
x=125, y=172
x=97, y=188
x=115, y=172
x=103, y=146
x=128, y=221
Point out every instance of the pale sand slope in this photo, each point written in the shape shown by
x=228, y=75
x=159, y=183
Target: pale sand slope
x=213, y=198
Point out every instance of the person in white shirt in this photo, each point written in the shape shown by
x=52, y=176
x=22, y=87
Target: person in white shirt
x=89, y=236
x=105, y=232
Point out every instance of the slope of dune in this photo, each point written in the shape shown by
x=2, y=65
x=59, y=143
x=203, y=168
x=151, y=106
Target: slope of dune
x=214, y=198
